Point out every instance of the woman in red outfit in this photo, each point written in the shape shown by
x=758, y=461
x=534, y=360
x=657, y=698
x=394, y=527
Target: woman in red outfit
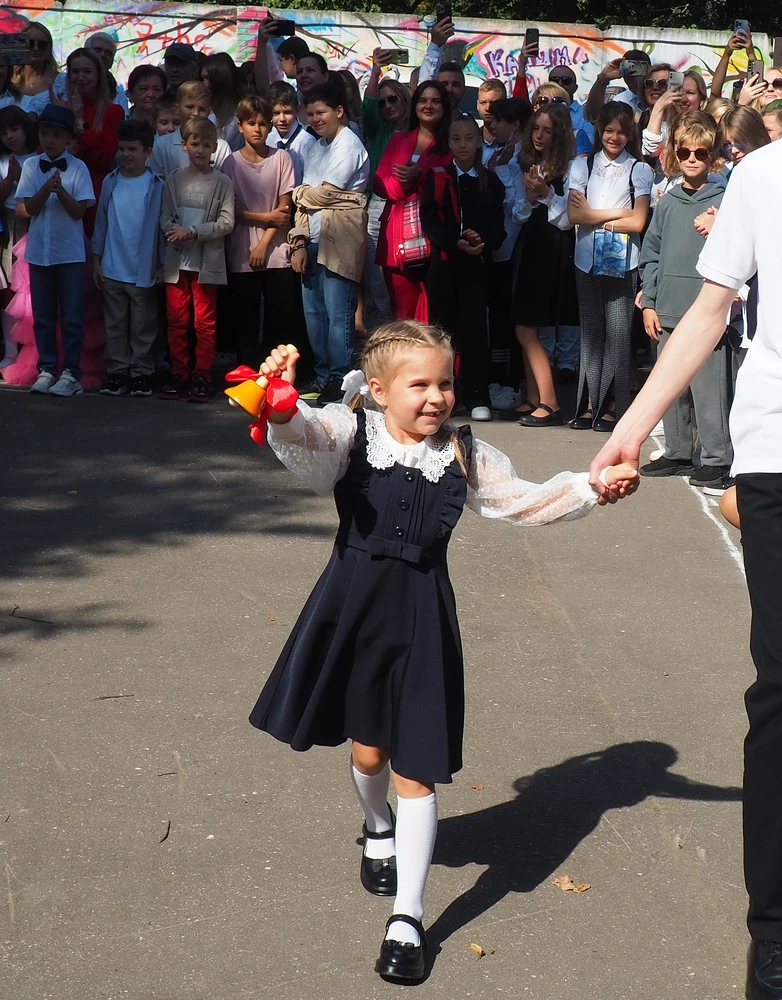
x=97, y=119
x=399, y=179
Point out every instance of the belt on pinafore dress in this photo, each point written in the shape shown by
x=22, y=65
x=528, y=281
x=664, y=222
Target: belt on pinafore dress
x=391, y=548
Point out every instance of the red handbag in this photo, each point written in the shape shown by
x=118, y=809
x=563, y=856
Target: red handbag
x=414, y=247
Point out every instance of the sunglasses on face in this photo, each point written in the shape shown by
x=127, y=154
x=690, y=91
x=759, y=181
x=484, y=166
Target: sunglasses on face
x=549, y=100
x=36, y=44
x=776, y=83
x=563, y=81
x=701, y=155
x=389, y=101
x=727, y=148
x=656, y=84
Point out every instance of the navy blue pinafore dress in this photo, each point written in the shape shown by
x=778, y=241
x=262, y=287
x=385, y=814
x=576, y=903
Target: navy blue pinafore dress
x=376, y=655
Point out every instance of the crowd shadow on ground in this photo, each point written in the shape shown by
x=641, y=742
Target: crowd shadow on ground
x=95, y=476
x=525, y=841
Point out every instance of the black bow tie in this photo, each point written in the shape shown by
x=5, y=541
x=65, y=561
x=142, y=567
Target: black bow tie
x=47, y=165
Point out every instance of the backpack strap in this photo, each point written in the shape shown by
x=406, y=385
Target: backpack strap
x=630, y=181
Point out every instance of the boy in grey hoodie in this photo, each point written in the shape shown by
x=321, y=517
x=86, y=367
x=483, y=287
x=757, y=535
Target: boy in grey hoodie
x=670, y=284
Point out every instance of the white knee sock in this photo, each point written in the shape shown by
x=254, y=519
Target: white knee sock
x=372, y=791
x=416, y=830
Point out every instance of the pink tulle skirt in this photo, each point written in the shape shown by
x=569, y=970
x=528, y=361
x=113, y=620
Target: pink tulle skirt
x=24, y=371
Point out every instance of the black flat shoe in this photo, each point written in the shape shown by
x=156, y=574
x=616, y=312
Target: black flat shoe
x=553, y=418
x=764, y=971
x=378, y=876
x=402, y=961
x=516, y=413
x=581, y=423
x=604, y=426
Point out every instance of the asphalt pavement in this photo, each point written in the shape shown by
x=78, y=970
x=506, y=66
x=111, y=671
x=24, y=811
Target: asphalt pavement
x=155, y=846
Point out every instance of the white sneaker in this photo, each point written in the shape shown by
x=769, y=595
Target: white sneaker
x=43, y=383
x=66, y=385
x=480, y=413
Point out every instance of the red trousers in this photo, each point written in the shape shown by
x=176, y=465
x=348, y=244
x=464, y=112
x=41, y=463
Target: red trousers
x=204, y=299
x=408, y=295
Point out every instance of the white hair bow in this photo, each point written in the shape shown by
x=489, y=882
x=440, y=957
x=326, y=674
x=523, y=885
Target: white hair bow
x=354, y=383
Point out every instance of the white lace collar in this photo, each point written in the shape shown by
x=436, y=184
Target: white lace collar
x=430, y=456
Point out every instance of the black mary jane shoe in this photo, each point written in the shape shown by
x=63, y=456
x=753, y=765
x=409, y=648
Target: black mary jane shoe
x=553, y=417
x=378, y=876
x=402, y=961
x=516, y=413
x=604, y=426
x=582, y=423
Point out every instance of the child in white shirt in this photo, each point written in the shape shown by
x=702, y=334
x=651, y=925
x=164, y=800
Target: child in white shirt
x=192, y=101
x=56, y=190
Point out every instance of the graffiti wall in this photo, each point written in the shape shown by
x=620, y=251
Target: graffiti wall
x=346, y=40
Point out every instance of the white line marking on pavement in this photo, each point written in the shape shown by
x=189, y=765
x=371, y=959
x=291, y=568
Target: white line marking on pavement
x=709, y=508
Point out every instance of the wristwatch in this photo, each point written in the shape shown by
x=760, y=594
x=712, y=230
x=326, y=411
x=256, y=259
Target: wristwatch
x=194, y=231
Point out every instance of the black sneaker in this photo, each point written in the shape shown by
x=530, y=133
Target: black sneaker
x=332, y=392
x=199, y=390
x=311, y=389
x=175, y=388
x=117, y=385
x=708, y=475
x=140, y=387
x=717, y=489
x=668, y=467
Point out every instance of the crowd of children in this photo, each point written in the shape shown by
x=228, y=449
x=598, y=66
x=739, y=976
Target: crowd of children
x=270, y=207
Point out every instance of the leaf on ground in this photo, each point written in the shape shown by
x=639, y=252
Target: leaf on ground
x=478, y=950
x=566, y=884
x=477, y=788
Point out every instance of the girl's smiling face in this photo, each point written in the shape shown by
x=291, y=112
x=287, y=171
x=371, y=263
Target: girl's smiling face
x=613, y=138
x=464, y=141
x=417, y=395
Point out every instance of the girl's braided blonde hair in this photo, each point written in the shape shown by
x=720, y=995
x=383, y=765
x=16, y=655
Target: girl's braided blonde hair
x=382, y=352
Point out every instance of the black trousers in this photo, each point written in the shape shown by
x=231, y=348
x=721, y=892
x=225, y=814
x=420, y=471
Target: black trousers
x=760, y=508
x=456, y=295
x=265, y=310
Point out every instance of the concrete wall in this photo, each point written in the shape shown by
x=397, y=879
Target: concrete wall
x=346, y=40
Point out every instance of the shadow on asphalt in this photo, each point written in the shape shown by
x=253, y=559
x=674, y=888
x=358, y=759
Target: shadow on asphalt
x=526, y=840
x=94, y=476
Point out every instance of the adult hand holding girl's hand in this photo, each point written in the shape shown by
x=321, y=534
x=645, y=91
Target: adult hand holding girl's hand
x=705, y=221
x=621, y=481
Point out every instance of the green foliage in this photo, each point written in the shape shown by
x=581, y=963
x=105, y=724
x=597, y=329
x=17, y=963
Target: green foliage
x=763, y=15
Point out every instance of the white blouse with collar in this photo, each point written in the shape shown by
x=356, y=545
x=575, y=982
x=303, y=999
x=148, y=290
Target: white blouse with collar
x=316, y=444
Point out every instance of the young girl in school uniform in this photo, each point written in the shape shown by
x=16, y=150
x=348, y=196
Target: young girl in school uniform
x=545, y=280
x=375, y=656
x=609, y=194
x=463, y=218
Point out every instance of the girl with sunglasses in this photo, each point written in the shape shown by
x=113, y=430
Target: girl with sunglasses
x=670, y=284
x=38, y=76
x=549, y=93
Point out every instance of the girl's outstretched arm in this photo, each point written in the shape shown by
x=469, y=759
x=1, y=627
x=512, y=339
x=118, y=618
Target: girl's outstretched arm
x=315, y=444
x=495, y=491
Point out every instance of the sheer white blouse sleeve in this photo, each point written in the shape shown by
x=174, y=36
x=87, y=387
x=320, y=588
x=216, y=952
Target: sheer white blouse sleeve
x=315, y=445
x=494, y=490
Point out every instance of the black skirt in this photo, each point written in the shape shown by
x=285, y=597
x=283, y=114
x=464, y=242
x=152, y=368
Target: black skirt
x=544, y=273
x=376, y=655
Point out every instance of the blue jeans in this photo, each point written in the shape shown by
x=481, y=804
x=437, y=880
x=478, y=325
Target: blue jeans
x=330, y=310
x=568, y=341
x=58, y=290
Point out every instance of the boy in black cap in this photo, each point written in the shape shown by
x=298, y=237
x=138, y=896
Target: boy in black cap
x=56, y=191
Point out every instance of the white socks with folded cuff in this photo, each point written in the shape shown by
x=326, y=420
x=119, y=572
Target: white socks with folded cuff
x=416, y=831
x=372, y=791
